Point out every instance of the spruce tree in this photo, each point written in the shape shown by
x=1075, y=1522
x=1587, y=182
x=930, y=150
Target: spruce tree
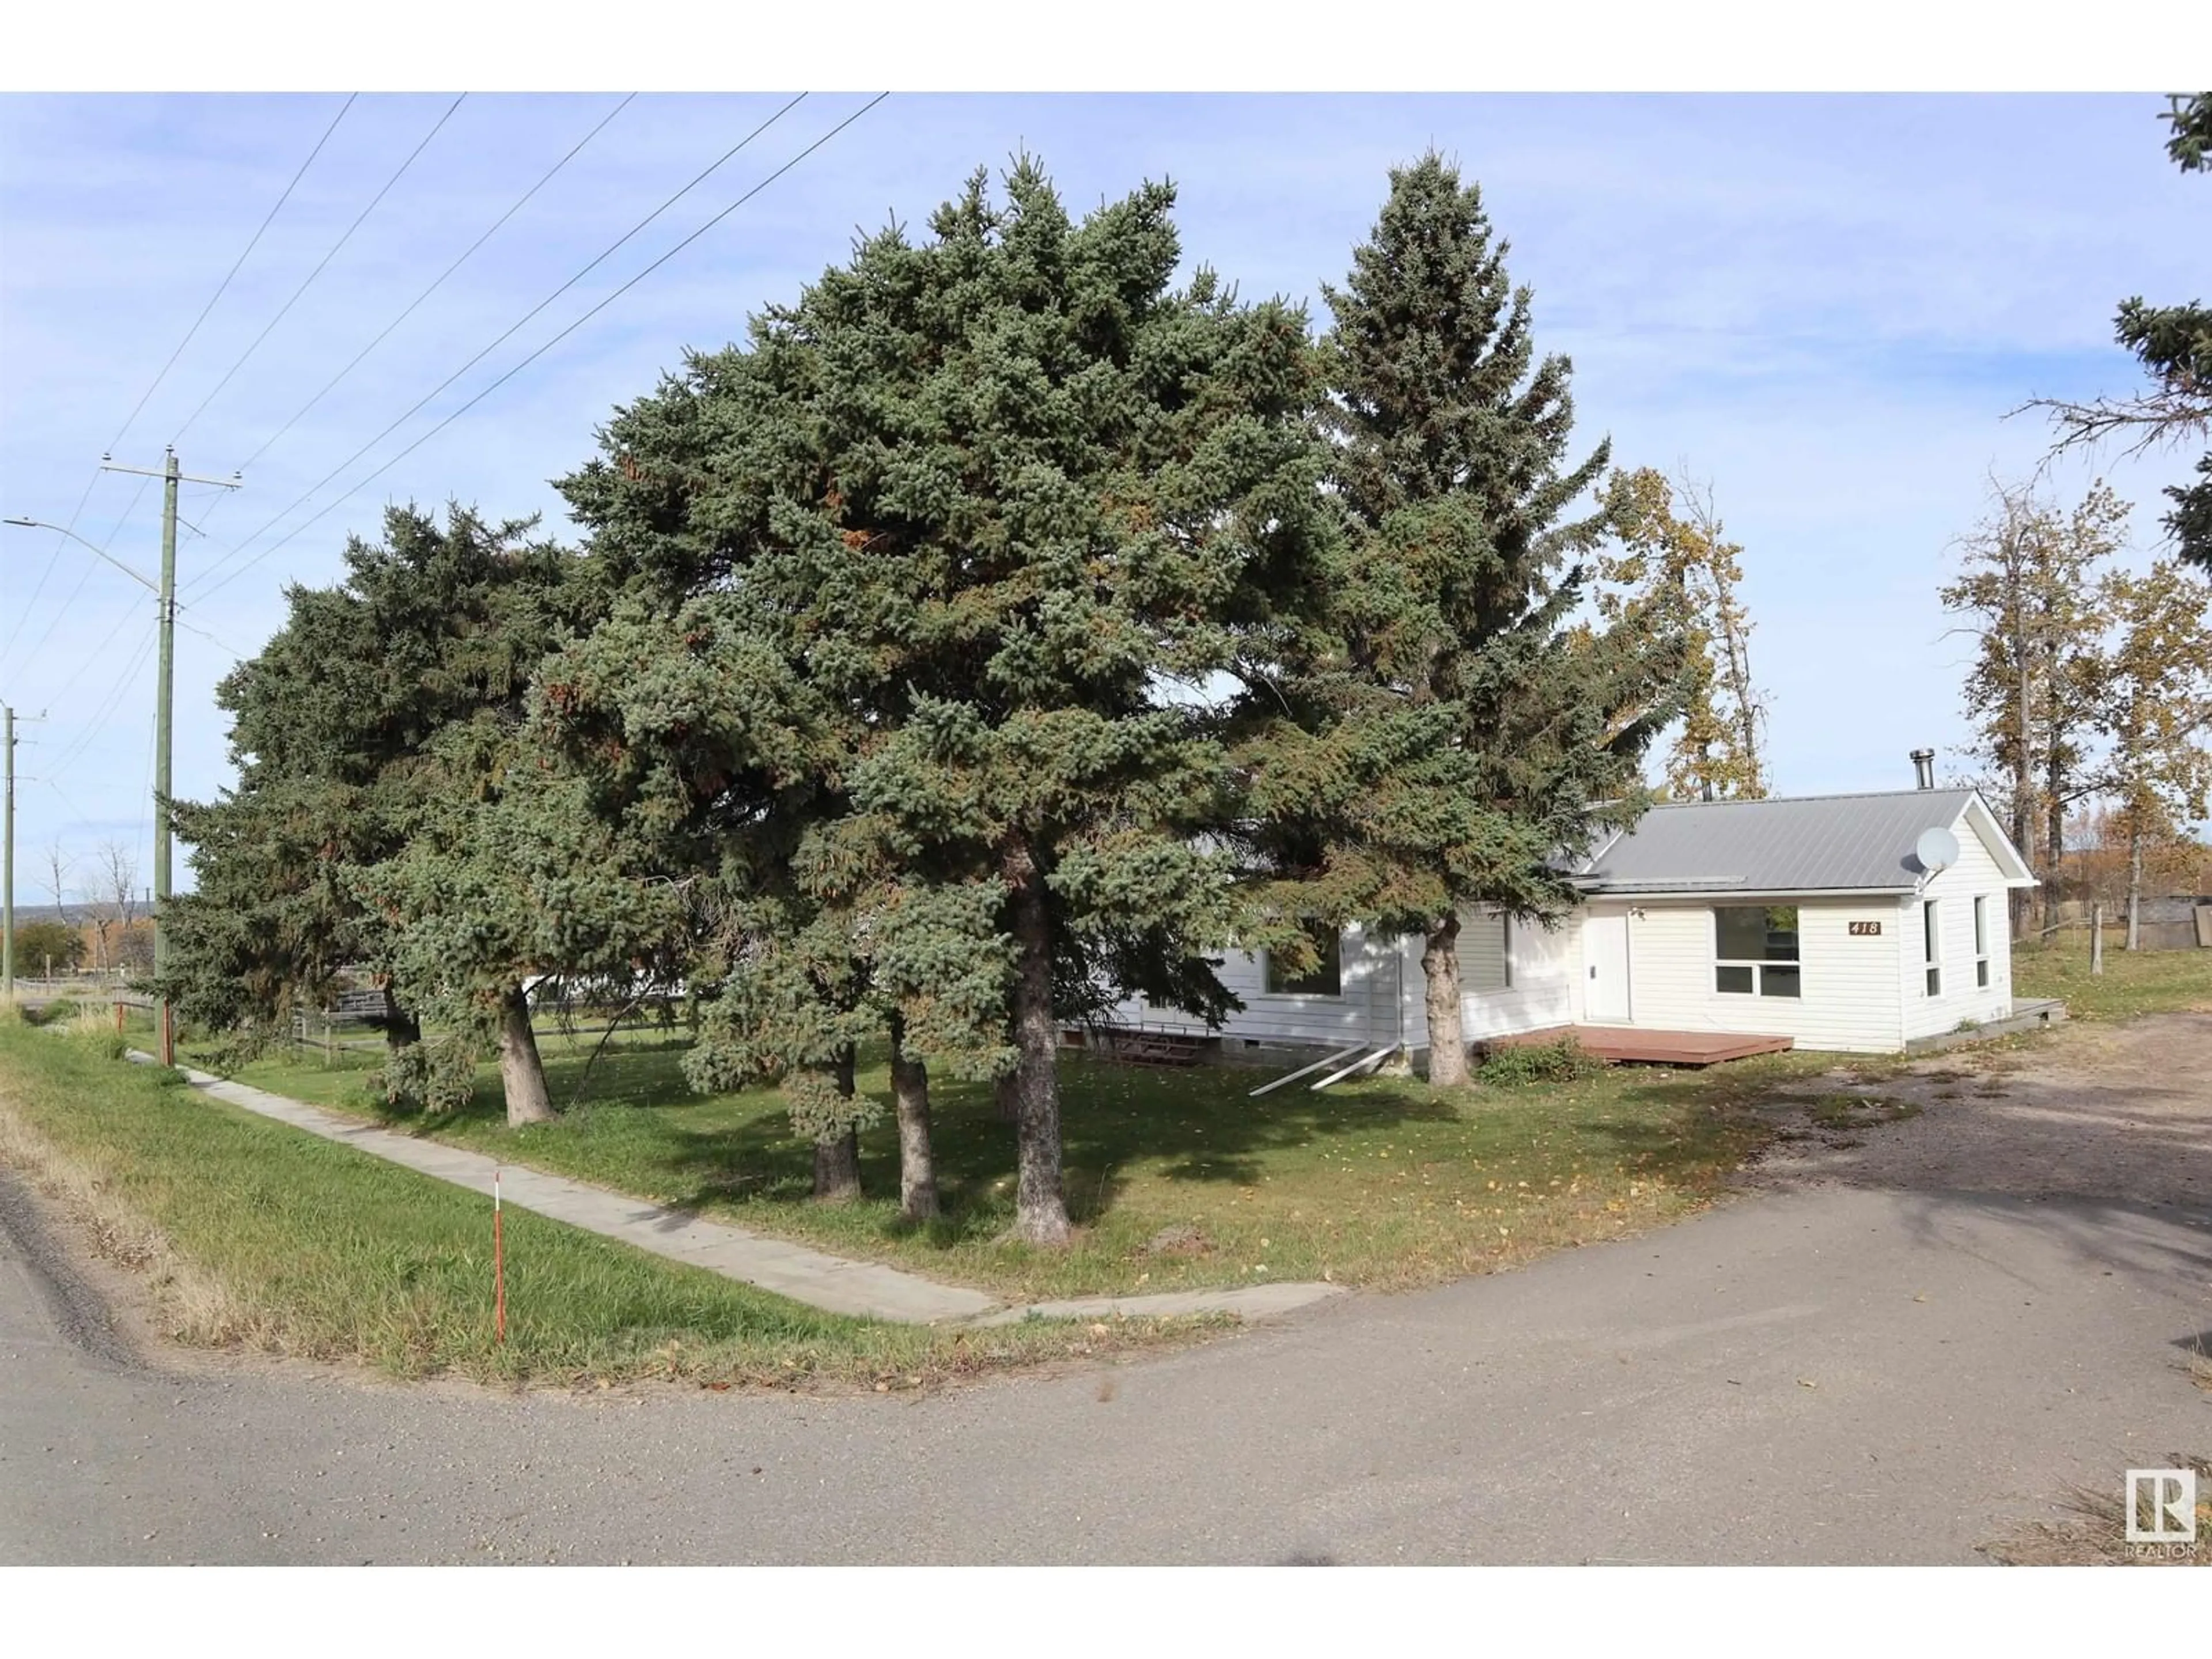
x=991, y=497
x=1481, y=735
x=348, y=733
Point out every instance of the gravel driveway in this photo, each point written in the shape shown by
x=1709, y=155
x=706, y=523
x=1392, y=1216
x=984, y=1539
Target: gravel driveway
x=2087, y=1111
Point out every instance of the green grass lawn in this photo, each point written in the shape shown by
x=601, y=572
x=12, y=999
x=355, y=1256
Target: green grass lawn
x=1378, y=1183
x=2134, y=981
x=254, y=1233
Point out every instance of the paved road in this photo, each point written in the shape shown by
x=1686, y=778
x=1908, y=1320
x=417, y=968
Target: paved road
x=1827, y=1375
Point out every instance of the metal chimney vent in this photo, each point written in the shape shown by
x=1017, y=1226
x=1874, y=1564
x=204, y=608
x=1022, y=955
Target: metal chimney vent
x=1923, y=768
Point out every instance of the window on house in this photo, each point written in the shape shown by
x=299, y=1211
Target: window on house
x=1981, y=940
x=1755, y=951
x=1505, y=947
x=1326, y=980
x=1931, y=947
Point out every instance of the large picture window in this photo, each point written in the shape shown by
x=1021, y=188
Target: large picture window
x=1755, y=951
x=1326, y=980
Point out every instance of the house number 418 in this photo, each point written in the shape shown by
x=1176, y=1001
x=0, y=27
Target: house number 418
x=1865, y=929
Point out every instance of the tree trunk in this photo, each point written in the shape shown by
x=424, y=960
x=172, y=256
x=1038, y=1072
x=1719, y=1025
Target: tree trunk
x=837, y=1163
x=522, y=1075
x=401, y=1027
x=2054, y=832
x=910, y=1096
x=2023, y=766
x=1041, y=1206
x=2135, y=888
x=1440, y=967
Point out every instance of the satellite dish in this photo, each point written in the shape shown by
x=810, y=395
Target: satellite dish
x=1937, y=849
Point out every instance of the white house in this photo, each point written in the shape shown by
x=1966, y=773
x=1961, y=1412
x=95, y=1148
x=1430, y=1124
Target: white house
x=1812, y=919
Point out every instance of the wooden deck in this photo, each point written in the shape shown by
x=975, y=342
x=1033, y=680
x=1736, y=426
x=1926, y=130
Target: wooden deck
x=1620, y=1042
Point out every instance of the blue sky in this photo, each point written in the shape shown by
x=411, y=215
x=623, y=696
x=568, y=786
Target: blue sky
x=1824, y=306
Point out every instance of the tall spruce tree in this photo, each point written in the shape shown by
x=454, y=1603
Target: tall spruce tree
x=1459, y=575
x=992, y=496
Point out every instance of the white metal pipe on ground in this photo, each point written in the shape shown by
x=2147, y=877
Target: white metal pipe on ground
x=1357, y=1065
x=1304, y=1071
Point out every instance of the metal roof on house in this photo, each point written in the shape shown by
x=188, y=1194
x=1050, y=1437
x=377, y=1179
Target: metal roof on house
x=1807, y=843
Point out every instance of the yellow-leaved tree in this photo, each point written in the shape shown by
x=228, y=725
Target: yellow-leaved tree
x=1676, y=571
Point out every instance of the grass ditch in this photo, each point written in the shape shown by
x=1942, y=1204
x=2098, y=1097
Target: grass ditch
x=248, y=1234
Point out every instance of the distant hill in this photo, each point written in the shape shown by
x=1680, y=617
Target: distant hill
x=26, y=914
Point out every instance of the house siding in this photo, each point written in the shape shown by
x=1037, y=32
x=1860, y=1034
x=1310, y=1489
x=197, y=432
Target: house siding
x=1861, y=993
x=1542, y=991
x=1849, y=982
x=1954, y=889
x=1364, y=1010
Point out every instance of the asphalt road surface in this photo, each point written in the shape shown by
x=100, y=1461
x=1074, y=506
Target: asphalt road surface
x=1834, y=1374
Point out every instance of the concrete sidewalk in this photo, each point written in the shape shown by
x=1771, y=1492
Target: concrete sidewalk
x=865, y=1290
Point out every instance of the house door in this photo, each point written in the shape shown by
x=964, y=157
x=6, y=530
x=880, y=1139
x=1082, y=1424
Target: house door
x=1605, y=966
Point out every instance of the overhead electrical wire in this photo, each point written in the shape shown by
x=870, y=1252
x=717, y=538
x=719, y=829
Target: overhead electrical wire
x=224, y=285
x=362, y=483
x=77, y=512
x=608, y=253
x=104, y=710
x=217, y=640
x=519, y=203
x=398, y=173
x=83, y=815
x=53, y=558
x=107, y=544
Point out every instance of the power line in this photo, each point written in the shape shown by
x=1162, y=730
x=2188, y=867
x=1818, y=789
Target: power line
x=232, y=272
x=397, y=173
x=220, y=644
x=521, y=202
x=146, y=788
x=135, y=667
x=617, y=294
x=603, y=257
x=53, y=557
x=83, y=817
x=77, y=512
x=63, y=610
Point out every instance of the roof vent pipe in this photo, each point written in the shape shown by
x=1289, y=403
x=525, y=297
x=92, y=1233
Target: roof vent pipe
x=1923, y=768
x=1708, y=789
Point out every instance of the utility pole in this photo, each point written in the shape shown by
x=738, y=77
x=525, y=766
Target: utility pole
x=164, y=703
x=8, y=742
x=165, y=594
x=8, y=868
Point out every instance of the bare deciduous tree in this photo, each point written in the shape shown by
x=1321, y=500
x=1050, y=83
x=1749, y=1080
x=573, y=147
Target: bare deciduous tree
x=2028, y=582
x=56, y=882
x=114, y=898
